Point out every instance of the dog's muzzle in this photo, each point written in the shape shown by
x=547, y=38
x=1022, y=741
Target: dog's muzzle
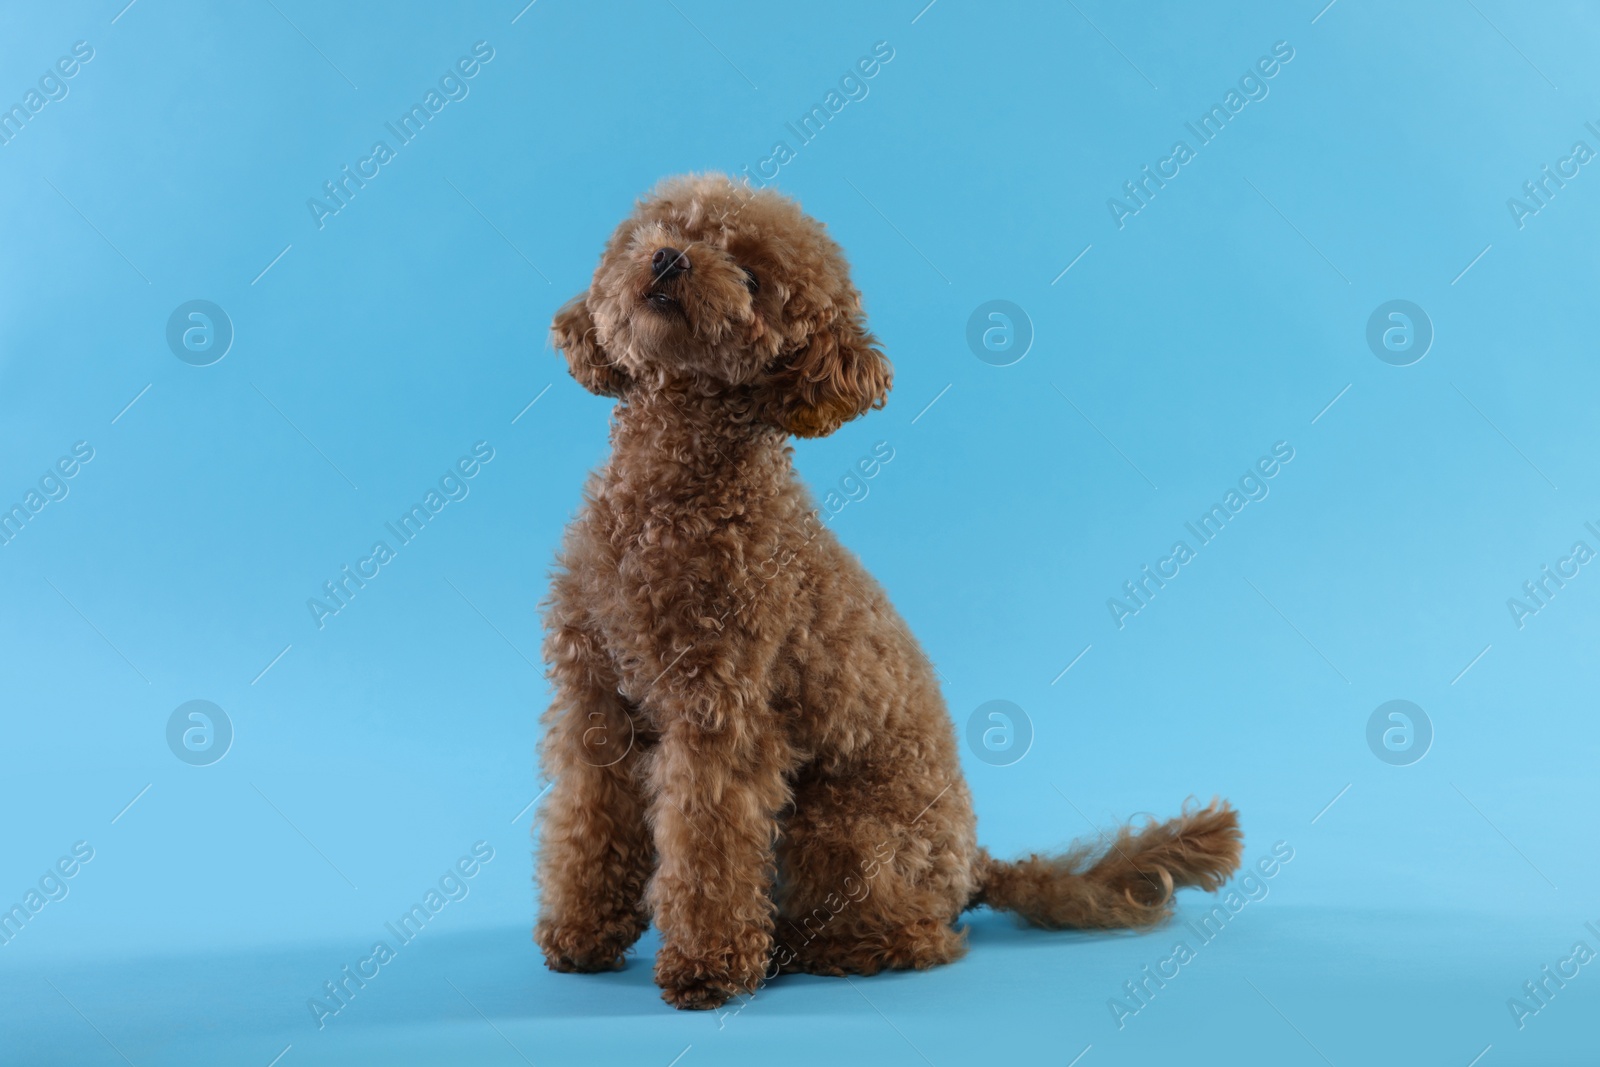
x=668, y=263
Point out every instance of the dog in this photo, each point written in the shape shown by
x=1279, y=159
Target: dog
x=747, y=746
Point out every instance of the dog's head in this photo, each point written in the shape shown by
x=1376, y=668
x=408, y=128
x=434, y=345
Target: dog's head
x=737, y=289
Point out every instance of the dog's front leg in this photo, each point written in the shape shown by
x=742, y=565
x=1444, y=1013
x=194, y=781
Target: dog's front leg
x=595, y=850
x=716, y=793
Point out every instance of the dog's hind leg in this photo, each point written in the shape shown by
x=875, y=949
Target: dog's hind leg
x=874, y=886
x=595, y=850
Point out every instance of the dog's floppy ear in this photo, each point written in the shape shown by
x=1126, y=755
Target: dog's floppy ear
x=836, y=375
x=573, y=332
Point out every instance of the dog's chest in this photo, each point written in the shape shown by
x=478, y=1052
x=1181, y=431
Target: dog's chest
x=694, y=549
x=654, y=534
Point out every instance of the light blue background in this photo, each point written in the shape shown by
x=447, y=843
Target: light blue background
x=1224, y=317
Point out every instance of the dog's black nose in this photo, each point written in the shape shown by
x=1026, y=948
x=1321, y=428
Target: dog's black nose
x=669, y=263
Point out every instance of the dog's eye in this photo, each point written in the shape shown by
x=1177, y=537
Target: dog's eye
x=751, y=282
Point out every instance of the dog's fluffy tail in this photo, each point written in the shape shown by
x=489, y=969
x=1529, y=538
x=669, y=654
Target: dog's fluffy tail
x=1127, y=884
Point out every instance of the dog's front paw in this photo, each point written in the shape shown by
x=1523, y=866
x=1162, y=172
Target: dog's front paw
x=699, y=983
x=569, y=948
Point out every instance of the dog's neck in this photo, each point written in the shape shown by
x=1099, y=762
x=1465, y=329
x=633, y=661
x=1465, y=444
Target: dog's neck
x=690, y=431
